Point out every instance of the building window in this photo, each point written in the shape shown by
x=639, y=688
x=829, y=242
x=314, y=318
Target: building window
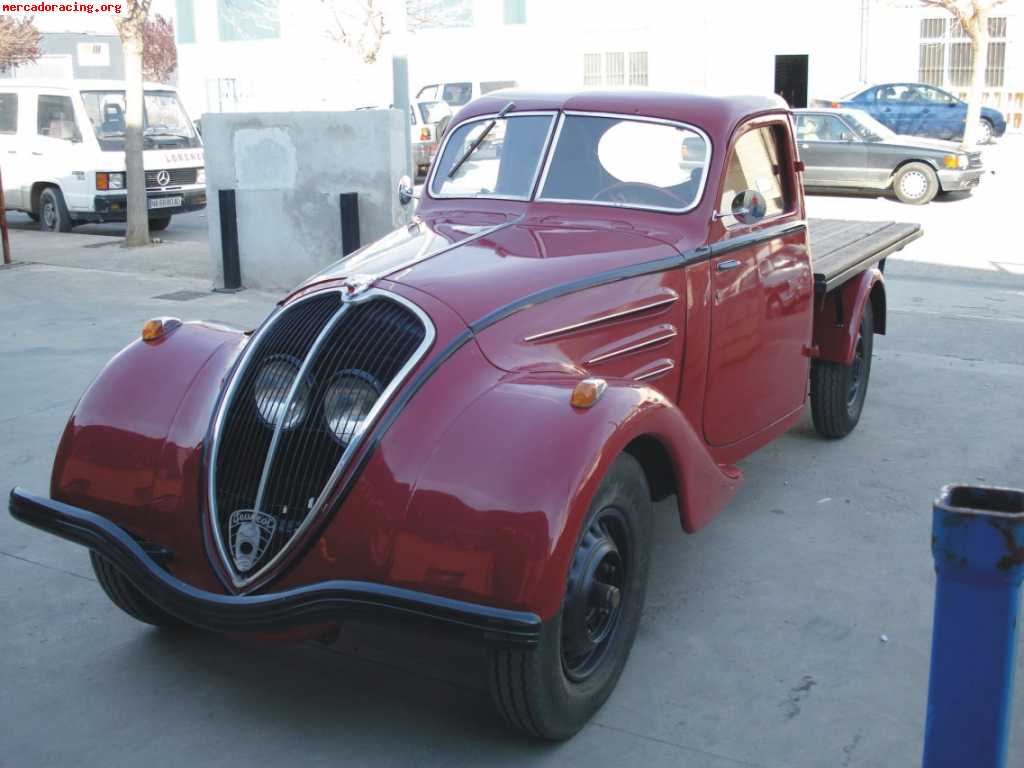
x=615, y=69
x=945, y=57
x=185, y=21
x=592, y=69
x=638, y=68
x=611, y=68
x=248, y=20
x=515, y=11
x=439, y=14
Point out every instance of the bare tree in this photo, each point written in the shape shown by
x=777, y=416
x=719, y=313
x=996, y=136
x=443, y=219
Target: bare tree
x=431, y=14
x=131, y=26
x=160, y=54
x=19, y=42
x=357, y=24
x=972, y=15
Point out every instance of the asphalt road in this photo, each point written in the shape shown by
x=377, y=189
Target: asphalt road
x=762, y=640
x=186, y=227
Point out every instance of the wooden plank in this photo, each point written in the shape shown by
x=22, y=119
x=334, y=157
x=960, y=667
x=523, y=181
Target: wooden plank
x=841, y=249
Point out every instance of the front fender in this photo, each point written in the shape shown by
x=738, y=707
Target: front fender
x=838, y=314
x=132, y=449
x=495, y=512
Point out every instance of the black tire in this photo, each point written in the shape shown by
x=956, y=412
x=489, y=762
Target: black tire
x=838, y=391
x=985, y=131
x=915, y=184
x=127, y=597
x=553, y=690
x=159, y=224
x=53, y=214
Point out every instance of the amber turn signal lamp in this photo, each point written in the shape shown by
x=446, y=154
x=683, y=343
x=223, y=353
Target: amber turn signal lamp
x=102, y=180
x=587, y=392
x=159, y=327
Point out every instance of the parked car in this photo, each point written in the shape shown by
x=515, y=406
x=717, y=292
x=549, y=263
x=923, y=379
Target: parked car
x=847, y=148
x=460, y=93
x=917, y=109
x=63, y=149
x=428, y=120
x=470, y=420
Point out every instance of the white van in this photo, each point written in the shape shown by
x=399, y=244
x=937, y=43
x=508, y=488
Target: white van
x=62, y=152
x=461, y=92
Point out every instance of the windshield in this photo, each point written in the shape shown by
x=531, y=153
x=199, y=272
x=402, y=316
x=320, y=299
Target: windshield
x=434, y=111
x=165, y=126
x=865, y=126
x=597, y=160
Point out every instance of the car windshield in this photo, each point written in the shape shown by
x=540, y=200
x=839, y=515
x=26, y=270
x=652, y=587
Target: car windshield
x=165, y=125
x=867, y=127
x=434, y=111
x=596, y=160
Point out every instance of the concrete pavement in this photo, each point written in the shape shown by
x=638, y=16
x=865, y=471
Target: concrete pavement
x=761, y=643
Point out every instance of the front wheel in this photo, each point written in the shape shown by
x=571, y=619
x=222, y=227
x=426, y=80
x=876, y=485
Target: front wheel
x=53, y=214
x=160, y=223
x=915, y=183
x=838, y=391
x=553, y=690
x=985, y=131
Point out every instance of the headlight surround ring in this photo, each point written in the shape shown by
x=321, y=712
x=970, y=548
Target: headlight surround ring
x=270, y=390
x=347, y=402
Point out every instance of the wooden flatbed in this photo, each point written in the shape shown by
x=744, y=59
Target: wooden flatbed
x=841, y=249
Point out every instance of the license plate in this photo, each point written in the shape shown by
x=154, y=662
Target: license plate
x=164, y=202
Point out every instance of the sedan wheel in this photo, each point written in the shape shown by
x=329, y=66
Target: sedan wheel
x=915, y=183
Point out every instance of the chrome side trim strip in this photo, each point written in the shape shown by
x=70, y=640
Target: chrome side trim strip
x=260, y=576
x=631, y=348
x=656, y=372
x=601, y=319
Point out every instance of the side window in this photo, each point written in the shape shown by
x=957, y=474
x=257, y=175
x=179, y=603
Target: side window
x=8, y=113
x=755, y=164
x=427, y=93
x=412, y=115
x=821, y=128
x=457, y=94
x=55, y=118
x=894, y=93
x=936, y=96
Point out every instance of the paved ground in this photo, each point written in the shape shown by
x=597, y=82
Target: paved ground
x=761, y=644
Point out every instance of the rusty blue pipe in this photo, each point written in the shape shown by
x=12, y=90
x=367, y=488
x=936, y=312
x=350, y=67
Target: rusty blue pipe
x=978, y=547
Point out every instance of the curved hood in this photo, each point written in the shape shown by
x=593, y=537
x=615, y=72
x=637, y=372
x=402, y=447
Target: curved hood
x=479, y=264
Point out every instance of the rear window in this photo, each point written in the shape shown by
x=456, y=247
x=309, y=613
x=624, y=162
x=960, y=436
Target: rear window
x=8, y=113
x=628, y=163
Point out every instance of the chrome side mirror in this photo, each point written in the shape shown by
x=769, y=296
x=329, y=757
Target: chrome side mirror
x=406, y=191
x=748, y=207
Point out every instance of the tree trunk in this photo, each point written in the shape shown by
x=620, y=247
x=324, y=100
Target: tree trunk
x=979, y=46
x=135, y=181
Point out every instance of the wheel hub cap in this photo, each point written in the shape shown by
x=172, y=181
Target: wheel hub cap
x=914, y=184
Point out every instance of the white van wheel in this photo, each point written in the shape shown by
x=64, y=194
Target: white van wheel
x=53, y=214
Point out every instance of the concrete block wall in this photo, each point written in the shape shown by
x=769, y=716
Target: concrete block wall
x=288, y=170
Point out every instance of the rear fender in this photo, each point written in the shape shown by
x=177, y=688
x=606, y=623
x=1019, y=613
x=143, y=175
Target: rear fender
x=837, y=316
x=496, y=510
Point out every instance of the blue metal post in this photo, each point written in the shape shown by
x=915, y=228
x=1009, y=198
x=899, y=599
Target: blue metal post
x=978, y=546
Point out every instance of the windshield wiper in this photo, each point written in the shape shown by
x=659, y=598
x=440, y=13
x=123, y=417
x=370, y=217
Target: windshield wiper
x=480, y=139
x=173, y=135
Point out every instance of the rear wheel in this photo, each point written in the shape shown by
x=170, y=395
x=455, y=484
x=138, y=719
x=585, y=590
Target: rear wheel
x=157, y=224
x=915, y=183
x=838, y=391
x=53, y=214
x=553, y=690
x=127, y=597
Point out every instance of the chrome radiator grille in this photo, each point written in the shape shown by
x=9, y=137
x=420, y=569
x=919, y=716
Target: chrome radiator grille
x=281, y=438
x=974, y=159
x=176, y=177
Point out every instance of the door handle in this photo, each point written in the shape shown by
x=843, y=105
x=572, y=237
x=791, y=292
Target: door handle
x=727, y=264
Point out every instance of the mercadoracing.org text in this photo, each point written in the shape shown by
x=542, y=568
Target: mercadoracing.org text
x=62, y=8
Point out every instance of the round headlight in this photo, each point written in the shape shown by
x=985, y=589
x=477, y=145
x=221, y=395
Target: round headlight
x=347, y=403
x=273, y=383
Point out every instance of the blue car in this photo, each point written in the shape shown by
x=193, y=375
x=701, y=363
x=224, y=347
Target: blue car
x=916, y=109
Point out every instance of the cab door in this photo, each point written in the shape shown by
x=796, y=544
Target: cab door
x=57, y=149
x=762, y=291
x=10, y=151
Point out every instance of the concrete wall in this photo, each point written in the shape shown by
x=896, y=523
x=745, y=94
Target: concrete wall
x=288, y=170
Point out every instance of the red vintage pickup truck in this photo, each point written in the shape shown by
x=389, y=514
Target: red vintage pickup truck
x=603, y=300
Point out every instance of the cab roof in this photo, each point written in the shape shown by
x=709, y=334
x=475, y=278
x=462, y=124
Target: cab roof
x=715, y=114
x=77, y=84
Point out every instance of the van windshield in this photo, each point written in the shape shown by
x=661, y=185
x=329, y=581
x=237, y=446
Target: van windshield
x=165, y=126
